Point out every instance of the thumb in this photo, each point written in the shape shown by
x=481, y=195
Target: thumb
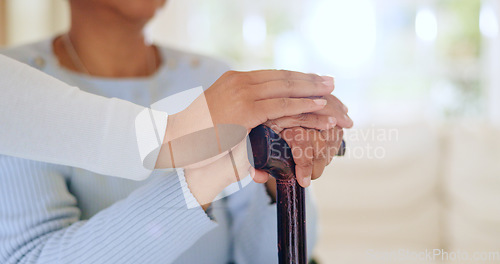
x=260, y=176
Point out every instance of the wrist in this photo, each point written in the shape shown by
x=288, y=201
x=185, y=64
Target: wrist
x=180, y=125
x=192, y=119
x=205, y=184
x=207, y=181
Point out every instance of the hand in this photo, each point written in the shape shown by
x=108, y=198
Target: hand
x=252, y=98
x=313, y=154
x=333, y=114
x=312, y=150
x=243, y=100
x=249, y=99
x=246, y=99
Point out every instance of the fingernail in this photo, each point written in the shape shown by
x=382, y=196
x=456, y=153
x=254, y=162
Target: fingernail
x=348, y=119
x=320, y=101
x=307, y=181
x=329, y=83
x=327, y=78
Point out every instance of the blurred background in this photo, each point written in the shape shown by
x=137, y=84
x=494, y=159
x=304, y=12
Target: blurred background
x=422, y=82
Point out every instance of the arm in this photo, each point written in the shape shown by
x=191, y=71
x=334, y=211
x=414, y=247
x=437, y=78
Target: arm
x=99, y=134
x=44, y=119
x=237, y=102
x=40, y=221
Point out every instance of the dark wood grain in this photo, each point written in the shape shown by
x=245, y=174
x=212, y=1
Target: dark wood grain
x=272, y=154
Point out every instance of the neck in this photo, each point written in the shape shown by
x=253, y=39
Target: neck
x=106, y=46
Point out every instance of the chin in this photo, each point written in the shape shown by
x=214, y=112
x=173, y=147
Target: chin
x=140, y=9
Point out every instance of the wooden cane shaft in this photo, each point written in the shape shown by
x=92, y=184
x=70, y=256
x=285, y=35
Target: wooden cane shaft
x=272, y=154
x=292, y=246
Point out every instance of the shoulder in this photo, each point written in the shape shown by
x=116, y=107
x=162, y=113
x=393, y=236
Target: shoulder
x=34, y=54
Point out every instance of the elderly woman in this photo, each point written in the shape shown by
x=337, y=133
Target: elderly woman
x=59, y=214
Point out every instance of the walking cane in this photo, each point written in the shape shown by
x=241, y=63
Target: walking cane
x=272, y=154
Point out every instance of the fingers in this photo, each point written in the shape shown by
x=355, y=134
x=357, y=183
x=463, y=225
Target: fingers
x=262, y=76
x=301, y=144
x=334, y=141
x=281, y=107
x=321, y=144
x=313, y=121
x=318, y=167
x=312, y=150
x=259, y=176
x=292, y=88
x=331, y=146
x=337, y=109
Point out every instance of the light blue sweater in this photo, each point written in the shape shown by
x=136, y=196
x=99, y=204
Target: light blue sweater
x=58, y=214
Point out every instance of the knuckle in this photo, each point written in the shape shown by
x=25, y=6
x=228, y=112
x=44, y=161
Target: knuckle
x=232, y=79
x=229, y=74
x=305, y=162
x=284, y=102
x=315, y=118
x=308, y=102
x=287, y=74
x=244, y=78
x=289, y=84
x=238, y=78
x=274, y=125
x=322, y=156
x=295, y=121
x=302, y=146
x=302, y=117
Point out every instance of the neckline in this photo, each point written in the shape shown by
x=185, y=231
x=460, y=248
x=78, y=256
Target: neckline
x=58, y=67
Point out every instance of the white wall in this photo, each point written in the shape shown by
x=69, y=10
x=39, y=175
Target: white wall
x=491, y=64
x=31, y=20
